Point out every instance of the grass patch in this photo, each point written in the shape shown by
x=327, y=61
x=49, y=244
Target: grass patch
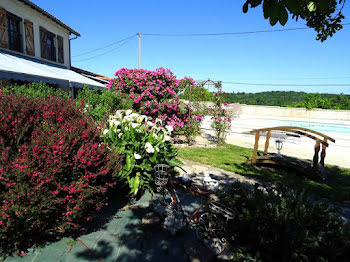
x=234, y=159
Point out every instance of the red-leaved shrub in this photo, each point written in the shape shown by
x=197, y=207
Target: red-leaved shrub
x=53, y=169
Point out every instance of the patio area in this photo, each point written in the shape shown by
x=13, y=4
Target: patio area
x=130, y=231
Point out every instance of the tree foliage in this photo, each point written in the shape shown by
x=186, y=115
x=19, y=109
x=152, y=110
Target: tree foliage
x=325, y=16
x=196, y=93
x=291, y=99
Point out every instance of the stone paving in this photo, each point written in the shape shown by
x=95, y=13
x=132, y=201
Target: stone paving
x=123, y=238
x=196, y=173
x=125, y=232
x=225, y=178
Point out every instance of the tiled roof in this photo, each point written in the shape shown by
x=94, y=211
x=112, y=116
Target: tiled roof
x=39, y=9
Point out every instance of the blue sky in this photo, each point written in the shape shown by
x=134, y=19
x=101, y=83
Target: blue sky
x=292, y=57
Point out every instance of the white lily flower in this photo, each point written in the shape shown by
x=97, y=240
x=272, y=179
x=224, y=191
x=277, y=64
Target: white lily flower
x=105, y=131
x=134, y=125
x=114, y=122
x=128, y=112
x=120, y=135
x=149, y=148
x=118, y=116
x=149, y=123
x=128, y=118
x=134, y=115
x=169, y=128
x=137, y=156
x=167, y=138
x=141, y=118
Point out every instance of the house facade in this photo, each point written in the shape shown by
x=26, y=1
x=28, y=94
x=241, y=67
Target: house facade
x=27, y=31
x=35, y=46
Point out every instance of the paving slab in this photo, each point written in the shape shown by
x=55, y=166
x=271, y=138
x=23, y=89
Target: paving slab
x=120, y=236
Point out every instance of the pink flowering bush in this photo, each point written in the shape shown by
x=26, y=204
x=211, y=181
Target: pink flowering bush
x=221, y=122
x=154, y=93
x=54, y=170
x=191, y=128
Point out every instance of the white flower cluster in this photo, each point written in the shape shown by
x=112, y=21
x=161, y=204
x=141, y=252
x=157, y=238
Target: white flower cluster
x=124, y=120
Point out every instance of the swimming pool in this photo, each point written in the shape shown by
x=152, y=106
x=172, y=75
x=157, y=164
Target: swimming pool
x=319, y=126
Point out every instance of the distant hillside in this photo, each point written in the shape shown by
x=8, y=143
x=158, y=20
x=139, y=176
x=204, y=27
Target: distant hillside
x=291, y=99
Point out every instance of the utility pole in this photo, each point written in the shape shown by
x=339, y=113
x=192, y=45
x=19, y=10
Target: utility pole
x=139, y=50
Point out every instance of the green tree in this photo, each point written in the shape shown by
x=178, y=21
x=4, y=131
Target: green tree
x=325, y=16
x=197, y=94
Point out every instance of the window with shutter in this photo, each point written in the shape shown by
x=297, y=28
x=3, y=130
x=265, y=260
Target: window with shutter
x=3, y=28
x=29, y=34
x=50, y=46
x=60, y=49
x=14, y=32
x=47, y=44
x=43, y=42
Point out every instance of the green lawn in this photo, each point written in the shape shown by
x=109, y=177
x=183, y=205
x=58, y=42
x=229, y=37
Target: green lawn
x=233, y=158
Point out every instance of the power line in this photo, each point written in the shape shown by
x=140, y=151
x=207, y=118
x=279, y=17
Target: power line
x=97, y=49
x=313, y=78
x=231, y=33
x=272, y=84
x=107, y=51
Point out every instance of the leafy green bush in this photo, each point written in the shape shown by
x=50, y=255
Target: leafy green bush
x=100, y=103
x=143, y=142
x=197, y=94
x=221, y=122
x=35, y=90
x=284, y=225
x=191, y=128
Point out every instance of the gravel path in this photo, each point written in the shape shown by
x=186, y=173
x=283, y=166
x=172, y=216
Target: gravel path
x=225, y=178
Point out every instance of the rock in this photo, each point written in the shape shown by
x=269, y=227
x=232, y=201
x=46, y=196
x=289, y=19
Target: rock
x=161, y=210
x=173, y=222
x=150, y=219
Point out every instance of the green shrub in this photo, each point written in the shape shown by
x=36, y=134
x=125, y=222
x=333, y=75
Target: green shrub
x=100, y=103
x=191, y=128
x=197, y=94
x=284, y=225
x=35, y=90
x=143, y=143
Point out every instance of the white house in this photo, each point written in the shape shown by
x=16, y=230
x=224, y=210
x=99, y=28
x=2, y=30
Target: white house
x=35, y=46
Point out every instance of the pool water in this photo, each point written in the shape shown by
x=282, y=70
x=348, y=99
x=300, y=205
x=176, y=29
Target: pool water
x=318, y=126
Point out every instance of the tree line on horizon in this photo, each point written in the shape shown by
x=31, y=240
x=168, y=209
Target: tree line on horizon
x=277, y=98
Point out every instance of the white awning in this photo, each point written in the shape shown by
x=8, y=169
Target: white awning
x=21, y=68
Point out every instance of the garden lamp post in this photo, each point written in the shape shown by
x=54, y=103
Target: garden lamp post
x=279, y=145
